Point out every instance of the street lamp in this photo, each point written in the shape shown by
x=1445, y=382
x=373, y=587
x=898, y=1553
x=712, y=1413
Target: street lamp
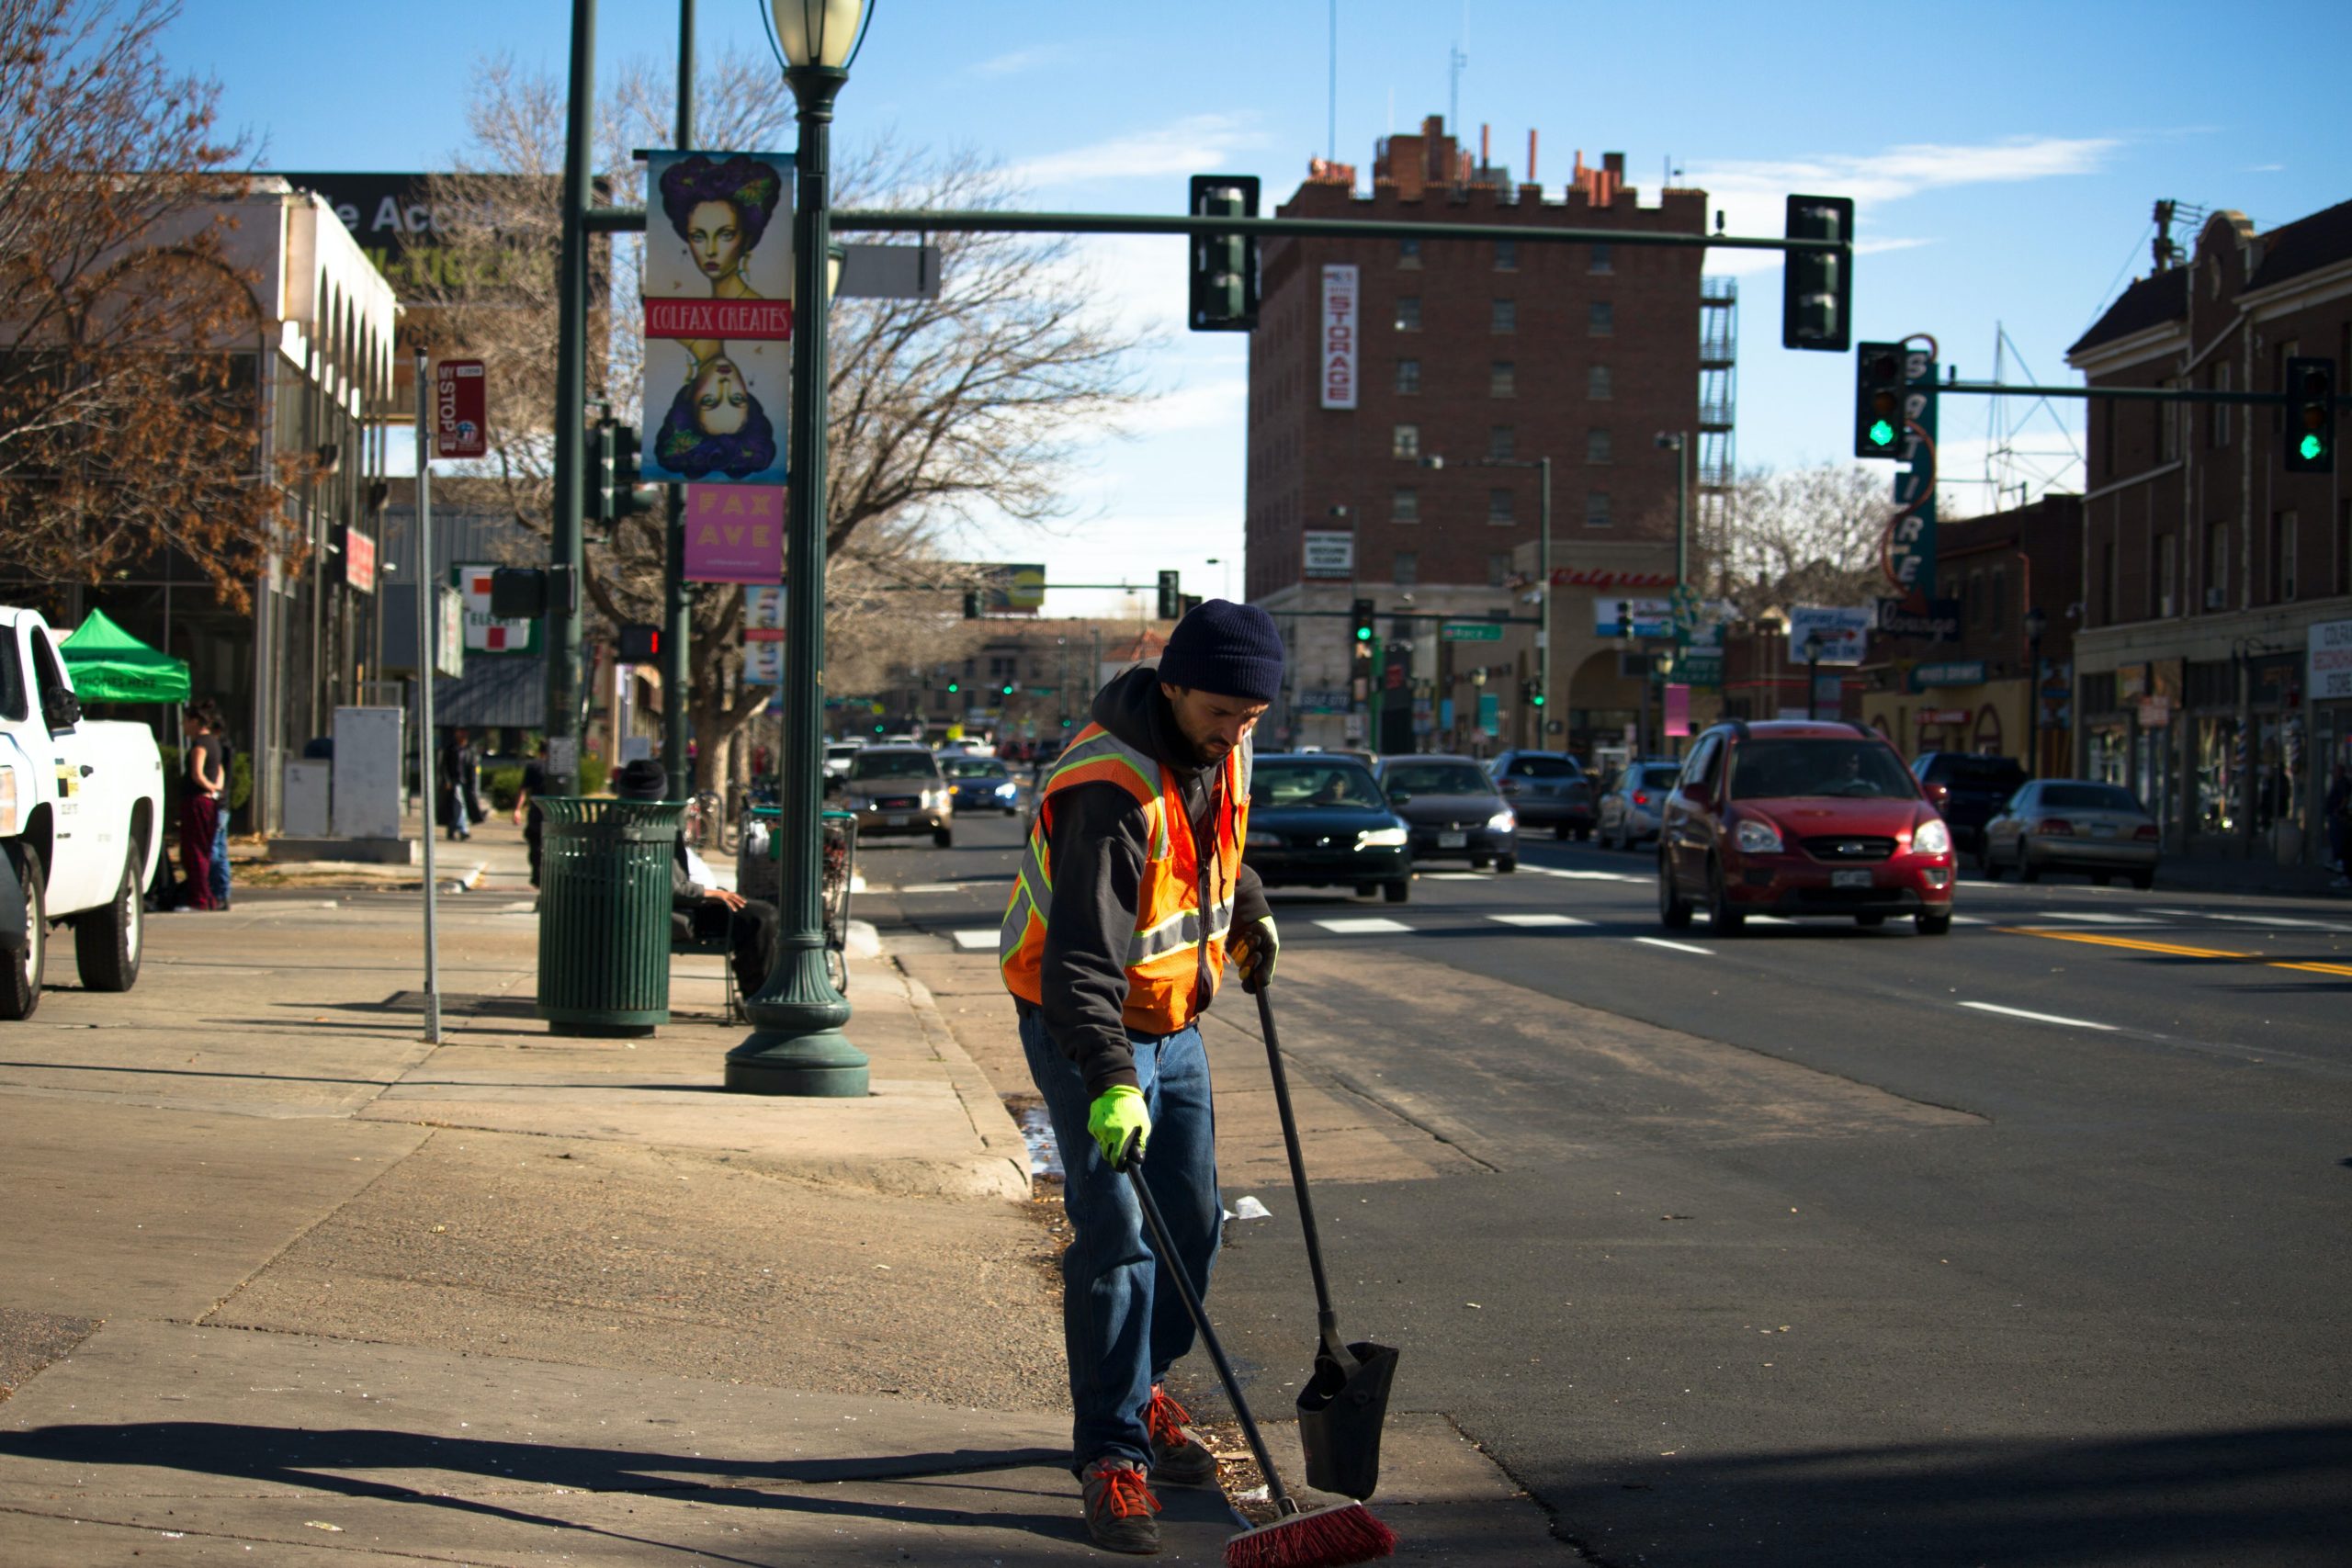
x=1543, y=568
x=2036, y=623
x=795, y=1045
x=1679, y=443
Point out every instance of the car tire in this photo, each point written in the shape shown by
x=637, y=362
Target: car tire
x=942, y=838
x=2143, y=880
x=1869, y=922
x=1988, y=864
x=1506, y=864
x=20, y=986
x=1480, y=862
x=108, y=943
x=2027, y=869
x=1933, y=925
x=1584, y=835
x=1397, y=892
x=1367, y=890
x=1724, y=918
x=2102, y=879
x=1673, y=910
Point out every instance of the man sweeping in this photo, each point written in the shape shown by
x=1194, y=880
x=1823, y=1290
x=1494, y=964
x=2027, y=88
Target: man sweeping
x=1131, y=895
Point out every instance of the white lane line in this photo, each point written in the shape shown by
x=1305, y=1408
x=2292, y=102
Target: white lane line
x=1585, y=875
x=1454, y=875
x=974, y=939
x=2093, y=917
x=1364, y=925
x=2039, y=1017
x=933, y=887
x=1538, y=921
x=1769, y=920
x=1675, y=946
x=2281, y=920
x=1970, y=920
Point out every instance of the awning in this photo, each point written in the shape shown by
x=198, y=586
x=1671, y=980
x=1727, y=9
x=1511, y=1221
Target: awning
x=109, y=665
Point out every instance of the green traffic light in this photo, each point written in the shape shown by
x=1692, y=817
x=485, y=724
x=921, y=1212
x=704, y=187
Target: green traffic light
x=1882, y=434
x=2311, y=445
x=1363, y=634
x=1537, y=699
x=952, y=688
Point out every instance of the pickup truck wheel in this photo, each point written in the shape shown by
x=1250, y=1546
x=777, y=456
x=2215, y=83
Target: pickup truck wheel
x=108, y=943
x=20, y=984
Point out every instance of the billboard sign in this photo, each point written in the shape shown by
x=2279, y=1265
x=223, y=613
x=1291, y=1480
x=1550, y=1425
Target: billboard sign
x=460, y=409
x=1844, y=634
x=717, y=317
x=1340, y=347
x=1649, y=617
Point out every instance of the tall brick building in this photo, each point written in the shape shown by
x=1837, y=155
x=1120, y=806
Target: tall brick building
x=1489, y=354
x=2214, y=660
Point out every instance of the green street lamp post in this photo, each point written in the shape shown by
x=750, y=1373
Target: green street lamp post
x=797, y=1046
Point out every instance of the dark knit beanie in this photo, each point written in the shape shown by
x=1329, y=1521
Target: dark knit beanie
x=1231, y=649
x=642, y=778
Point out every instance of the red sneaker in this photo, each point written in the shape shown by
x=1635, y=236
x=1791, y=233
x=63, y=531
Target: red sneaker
x=1119, y=1508
x=1176, y=1459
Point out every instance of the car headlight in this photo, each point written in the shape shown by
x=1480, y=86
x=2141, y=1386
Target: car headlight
x=1008, y=787
x=934, y=798
x=1381, y=839
x=1757, y=837
x=1502, y=821
x=1931, y=838
x=1262, y=842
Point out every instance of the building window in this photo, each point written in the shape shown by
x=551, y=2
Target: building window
x=1596, y=446
x=1407, y=442
x=1405, y=504
x=2217, y=431
x=1497, y=567
x=1502, y=442
x=1598, y=384
x=2282, y=558
x=1505, y=317
x=1604, y=259
x=1601, y=320
x=2217, y=566
x=1505, y=255
x=1409, y=312
x=1502, y=379
x=1405, y=568
x=2167, y=429
x=1596, y=508
x=2110, y=612
x=2168, y=576
x=1971, y=603
x=1408, y=375
x=1499, y=508
x=1996, y=609
x=1408, y=252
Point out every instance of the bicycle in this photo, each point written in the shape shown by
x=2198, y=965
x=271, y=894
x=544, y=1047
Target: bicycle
x=838, y=871
x=703, y=818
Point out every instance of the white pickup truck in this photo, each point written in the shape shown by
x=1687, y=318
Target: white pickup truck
x=81, y=823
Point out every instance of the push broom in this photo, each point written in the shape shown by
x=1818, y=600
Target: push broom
x=1323, y=1538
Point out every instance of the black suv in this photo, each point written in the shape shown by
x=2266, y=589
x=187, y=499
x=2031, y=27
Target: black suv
x=1976, y=786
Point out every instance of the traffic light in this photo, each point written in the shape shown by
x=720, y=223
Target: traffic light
x=1817, y=286
x=599, y=471
x=632, y=494
x=639, y=645
x=2310, y=416
x=1535, y=693
x=1172, y=595
x=954, y=687
x=1007, y=689
x=1625, y=618
x=1360, y=613
x=518, y=593
x=1878, y=400
x=1225, y=266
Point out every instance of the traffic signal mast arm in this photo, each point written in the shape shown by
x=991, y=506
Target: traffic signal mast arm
x=950, y=222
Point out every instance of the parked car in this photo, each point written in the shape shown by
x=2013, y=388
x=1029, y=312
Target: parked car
x=81, y=824
x=1796, y=818
x=899, y=789
x=1451, y=808
x=2071, y=825
x=1320, y=820
x=1976, y=786
x=1546, y=789
x=1635, y=802
x=837, y=757
x=981, y=783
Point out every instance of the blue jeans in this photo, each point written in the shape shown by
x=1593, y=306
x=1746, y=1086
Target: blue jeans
x=221, y=859
x=1123, y=1326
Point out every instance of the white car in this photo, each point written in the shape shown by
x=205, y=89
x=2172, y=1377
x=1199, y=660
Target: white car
x=1632, y=807
x=81, y=823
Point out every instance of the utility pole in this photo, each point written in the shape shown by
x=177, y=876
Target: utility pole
x=677, y=619
x=564, y=547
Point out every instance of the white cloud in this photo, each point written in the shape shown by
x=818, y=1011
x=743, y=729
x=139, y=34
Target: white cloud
x=1180, y=147
x=1017, y=61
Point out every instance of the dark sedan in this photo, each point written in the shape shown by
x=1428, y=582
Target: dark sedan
x=1319, y=820
x=1453, y=809
x=1546, y=789
x=981, y=783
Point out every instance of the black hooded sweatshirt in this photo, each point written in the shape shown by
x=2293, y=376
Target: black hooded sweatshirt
x=1097, y=852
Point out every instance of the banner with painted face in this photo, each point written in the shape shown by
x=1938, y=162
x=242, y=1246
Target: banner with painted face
x=717, y=317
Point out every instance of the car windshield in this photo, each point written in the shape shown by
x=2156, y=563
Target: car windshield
x=970, y=768
x=1998, y=773
x=1275, y=786
x=12, y=679
x=1782, y=770
x=1658, y=778
x=1540, y=768
x=2089, y=797
x=1437, y=778
x=893, y=765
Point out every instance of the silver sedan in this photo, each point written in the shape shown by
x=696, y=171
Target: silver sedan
x=2071, y=825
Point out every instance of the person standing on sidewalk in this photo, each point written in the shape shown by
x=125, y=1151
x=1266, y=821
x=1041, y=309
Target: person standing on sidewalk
x=201, y=785
x=528, y=815
x=1130, y=895
x=224, y=758
x=2338, y=812
x=461, y=782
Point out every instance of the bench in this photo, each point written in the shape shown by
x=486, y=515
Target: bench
x=717, y=946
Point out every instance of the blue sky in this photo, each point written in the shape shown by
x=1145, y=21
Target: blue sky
x=2004, y=157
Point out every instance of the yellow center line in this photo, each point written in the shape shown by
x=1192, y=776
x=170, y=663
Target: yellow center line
x=2170, y=949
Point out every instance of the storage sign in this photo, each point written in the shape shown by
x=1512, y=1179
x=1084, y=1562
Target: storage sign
x=1341, y=343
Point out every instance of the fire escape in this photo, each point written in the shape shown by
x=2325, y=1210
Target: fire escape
x=1718, y=401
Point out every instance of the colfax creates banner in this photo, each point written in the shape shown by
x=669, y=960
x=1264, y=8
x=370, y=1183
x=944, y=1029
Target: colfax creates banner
x=734, y=533
x=718, y=319
x=1343, y=341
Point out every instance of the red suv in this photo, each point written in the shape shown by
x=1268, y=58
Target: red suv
x=1801, y=818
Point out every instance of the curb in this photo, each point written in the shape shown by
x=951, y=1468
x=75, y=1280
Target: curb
x=1008, y=1152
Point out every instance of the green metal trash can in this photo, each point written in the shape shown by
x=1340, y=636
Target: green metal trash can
x=604, y=914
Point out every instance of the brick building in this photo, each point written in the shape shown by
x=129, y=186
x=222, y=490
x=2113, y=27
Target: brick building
x=1491, y=355
x=2211, y=574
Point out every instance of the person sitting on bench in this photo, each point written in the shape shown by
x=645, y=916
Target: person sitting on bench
x=701, y=911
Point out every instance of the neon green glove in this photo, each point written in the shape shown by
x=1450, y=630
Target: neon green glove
x=1116, y=1115
x=1255, y=946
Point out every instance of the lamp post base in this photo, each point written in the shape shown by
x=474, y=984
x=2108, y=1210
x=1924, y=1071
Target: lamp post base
x=797, y=1046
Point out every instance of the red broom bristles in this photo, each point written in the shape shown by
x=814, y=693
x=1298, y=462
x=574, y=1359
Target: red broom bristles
x=1327, y=1537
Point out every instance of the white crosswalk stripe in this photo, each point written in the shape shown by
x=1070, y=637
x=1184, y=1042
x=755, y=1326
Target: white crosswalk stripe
x=1675, y=946
x=1538, y=921
x=972, y=940
x=1364, y=925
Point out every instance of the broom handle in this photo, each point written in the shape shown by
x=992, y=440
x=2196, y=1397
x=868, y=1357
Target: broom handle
x=1326, y=1319
x=1174, y=1270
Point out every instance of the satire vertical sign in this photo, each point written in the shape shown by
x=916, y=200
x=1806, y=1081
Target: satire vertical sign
x=718, y=311
x=1341, y=342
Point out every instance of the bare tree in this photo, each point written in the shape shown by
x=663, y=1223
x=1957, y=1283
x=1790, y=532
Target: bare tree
x=131, y=348
x=1802, y=537
x=940, y=410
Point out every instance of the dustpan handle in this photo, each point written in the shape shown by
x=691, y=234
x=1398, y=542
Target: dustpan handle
x=1327, y=1321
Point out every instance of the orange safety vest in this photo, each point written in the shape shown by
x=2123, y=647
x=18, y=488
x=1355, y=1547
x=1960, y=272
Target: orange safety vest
x=1164, y=957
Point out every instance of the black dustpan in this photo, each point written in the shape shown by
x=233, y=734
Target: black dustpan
x=1345, y=1403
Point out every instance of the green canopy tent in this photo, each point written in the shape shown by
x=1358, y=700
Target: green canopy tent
x=109, y=665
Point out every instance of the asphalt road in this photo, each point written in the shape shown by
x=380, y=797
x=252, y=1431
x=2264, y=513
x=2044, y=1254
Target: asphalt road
x=1821, y=1246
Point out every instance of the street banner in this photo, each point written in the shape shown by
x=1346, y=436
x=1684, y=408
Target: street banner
x=483, y=634
x=1678, y=708
x=717, y=317
x=1342, y=342
x=460, y=409
x=1844, y=634
x=734, y=533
